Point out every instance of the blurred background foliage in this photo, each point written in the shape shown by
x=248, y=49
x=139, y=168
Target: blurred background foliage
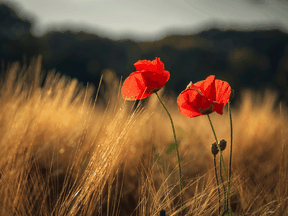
x=255, y=59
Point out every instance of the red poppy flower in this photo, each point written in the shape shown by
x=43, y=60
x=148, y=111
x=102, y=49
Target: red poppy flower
x=204, y=97
x=148, y=79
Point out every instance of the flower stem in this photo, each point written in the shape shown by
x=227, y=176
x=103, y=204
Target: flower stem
x=181, y=195
x=230, y=160
x=219, y=196
x=224, y=191
x=218, y=147
x=221, y=158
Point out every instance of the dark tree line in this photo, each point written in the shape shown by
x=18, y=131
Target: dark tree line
x=255, y=59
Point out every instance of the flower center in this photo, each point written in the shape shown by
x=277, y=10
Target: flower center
x=153, y=90
x=207, y=110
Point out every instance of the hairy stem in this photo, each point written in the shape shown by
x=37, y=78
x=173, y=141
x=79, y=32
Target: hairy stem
x=181, y=195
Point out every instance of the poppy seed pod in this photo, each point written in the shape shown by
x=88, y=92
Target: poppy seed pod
x=222, y=144
x=214, y=149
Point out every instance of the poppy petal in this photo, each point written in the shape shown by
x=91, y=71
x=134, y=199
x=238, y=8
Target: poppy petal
x=154, y=66
x=191, y=103
x=159, y=64
x=208, y=87
x=218, y=107
x=223, y=91
x=185, y=108
x=134, y=87
x=155, y=81
x=145, y=65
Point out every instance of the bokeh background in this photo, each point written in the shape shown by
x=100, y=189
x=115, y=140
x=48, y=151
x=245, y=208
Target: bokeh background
x=243, y=42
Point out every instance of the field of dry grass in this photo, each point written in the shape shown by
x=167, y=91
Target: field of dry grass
x=63, y=153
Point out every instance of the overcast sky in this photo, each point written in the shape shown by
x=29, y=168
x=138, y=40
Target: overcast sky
x=147, y=19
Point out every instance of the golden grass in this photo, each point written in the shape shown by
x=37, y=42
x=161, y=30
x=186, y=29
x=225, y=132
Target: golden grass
x=63, y=153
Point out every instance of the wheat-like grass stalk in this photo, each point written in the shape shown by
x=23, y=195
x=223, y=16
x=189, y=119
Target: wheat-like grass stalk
x=63, y=152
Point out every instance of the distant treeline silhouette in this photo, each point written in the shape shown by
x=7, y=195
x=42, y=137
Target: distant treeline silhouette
x=255, y=59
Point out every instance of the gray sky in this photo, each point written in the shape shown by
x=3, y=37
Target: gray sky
x=148, y=19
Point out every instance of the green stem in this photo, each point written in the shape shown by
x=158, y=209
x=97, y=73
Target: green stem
x=219, y=196
x=230, y=160
x=224, y=191
x=218, y=148
x=221, y=156
x=181, y=195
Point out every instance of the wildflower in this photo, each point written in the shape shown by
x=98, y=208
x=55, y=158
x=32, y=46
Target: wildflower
x=149, y=78
x=204, y=97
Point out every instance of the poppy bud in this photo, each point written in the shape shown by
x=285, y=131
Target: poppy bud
x=214, y=149
x=222, y=144
x=232, y=94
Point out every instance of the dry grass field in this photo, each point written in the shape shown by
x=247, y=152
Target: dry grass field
x=64, y=153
